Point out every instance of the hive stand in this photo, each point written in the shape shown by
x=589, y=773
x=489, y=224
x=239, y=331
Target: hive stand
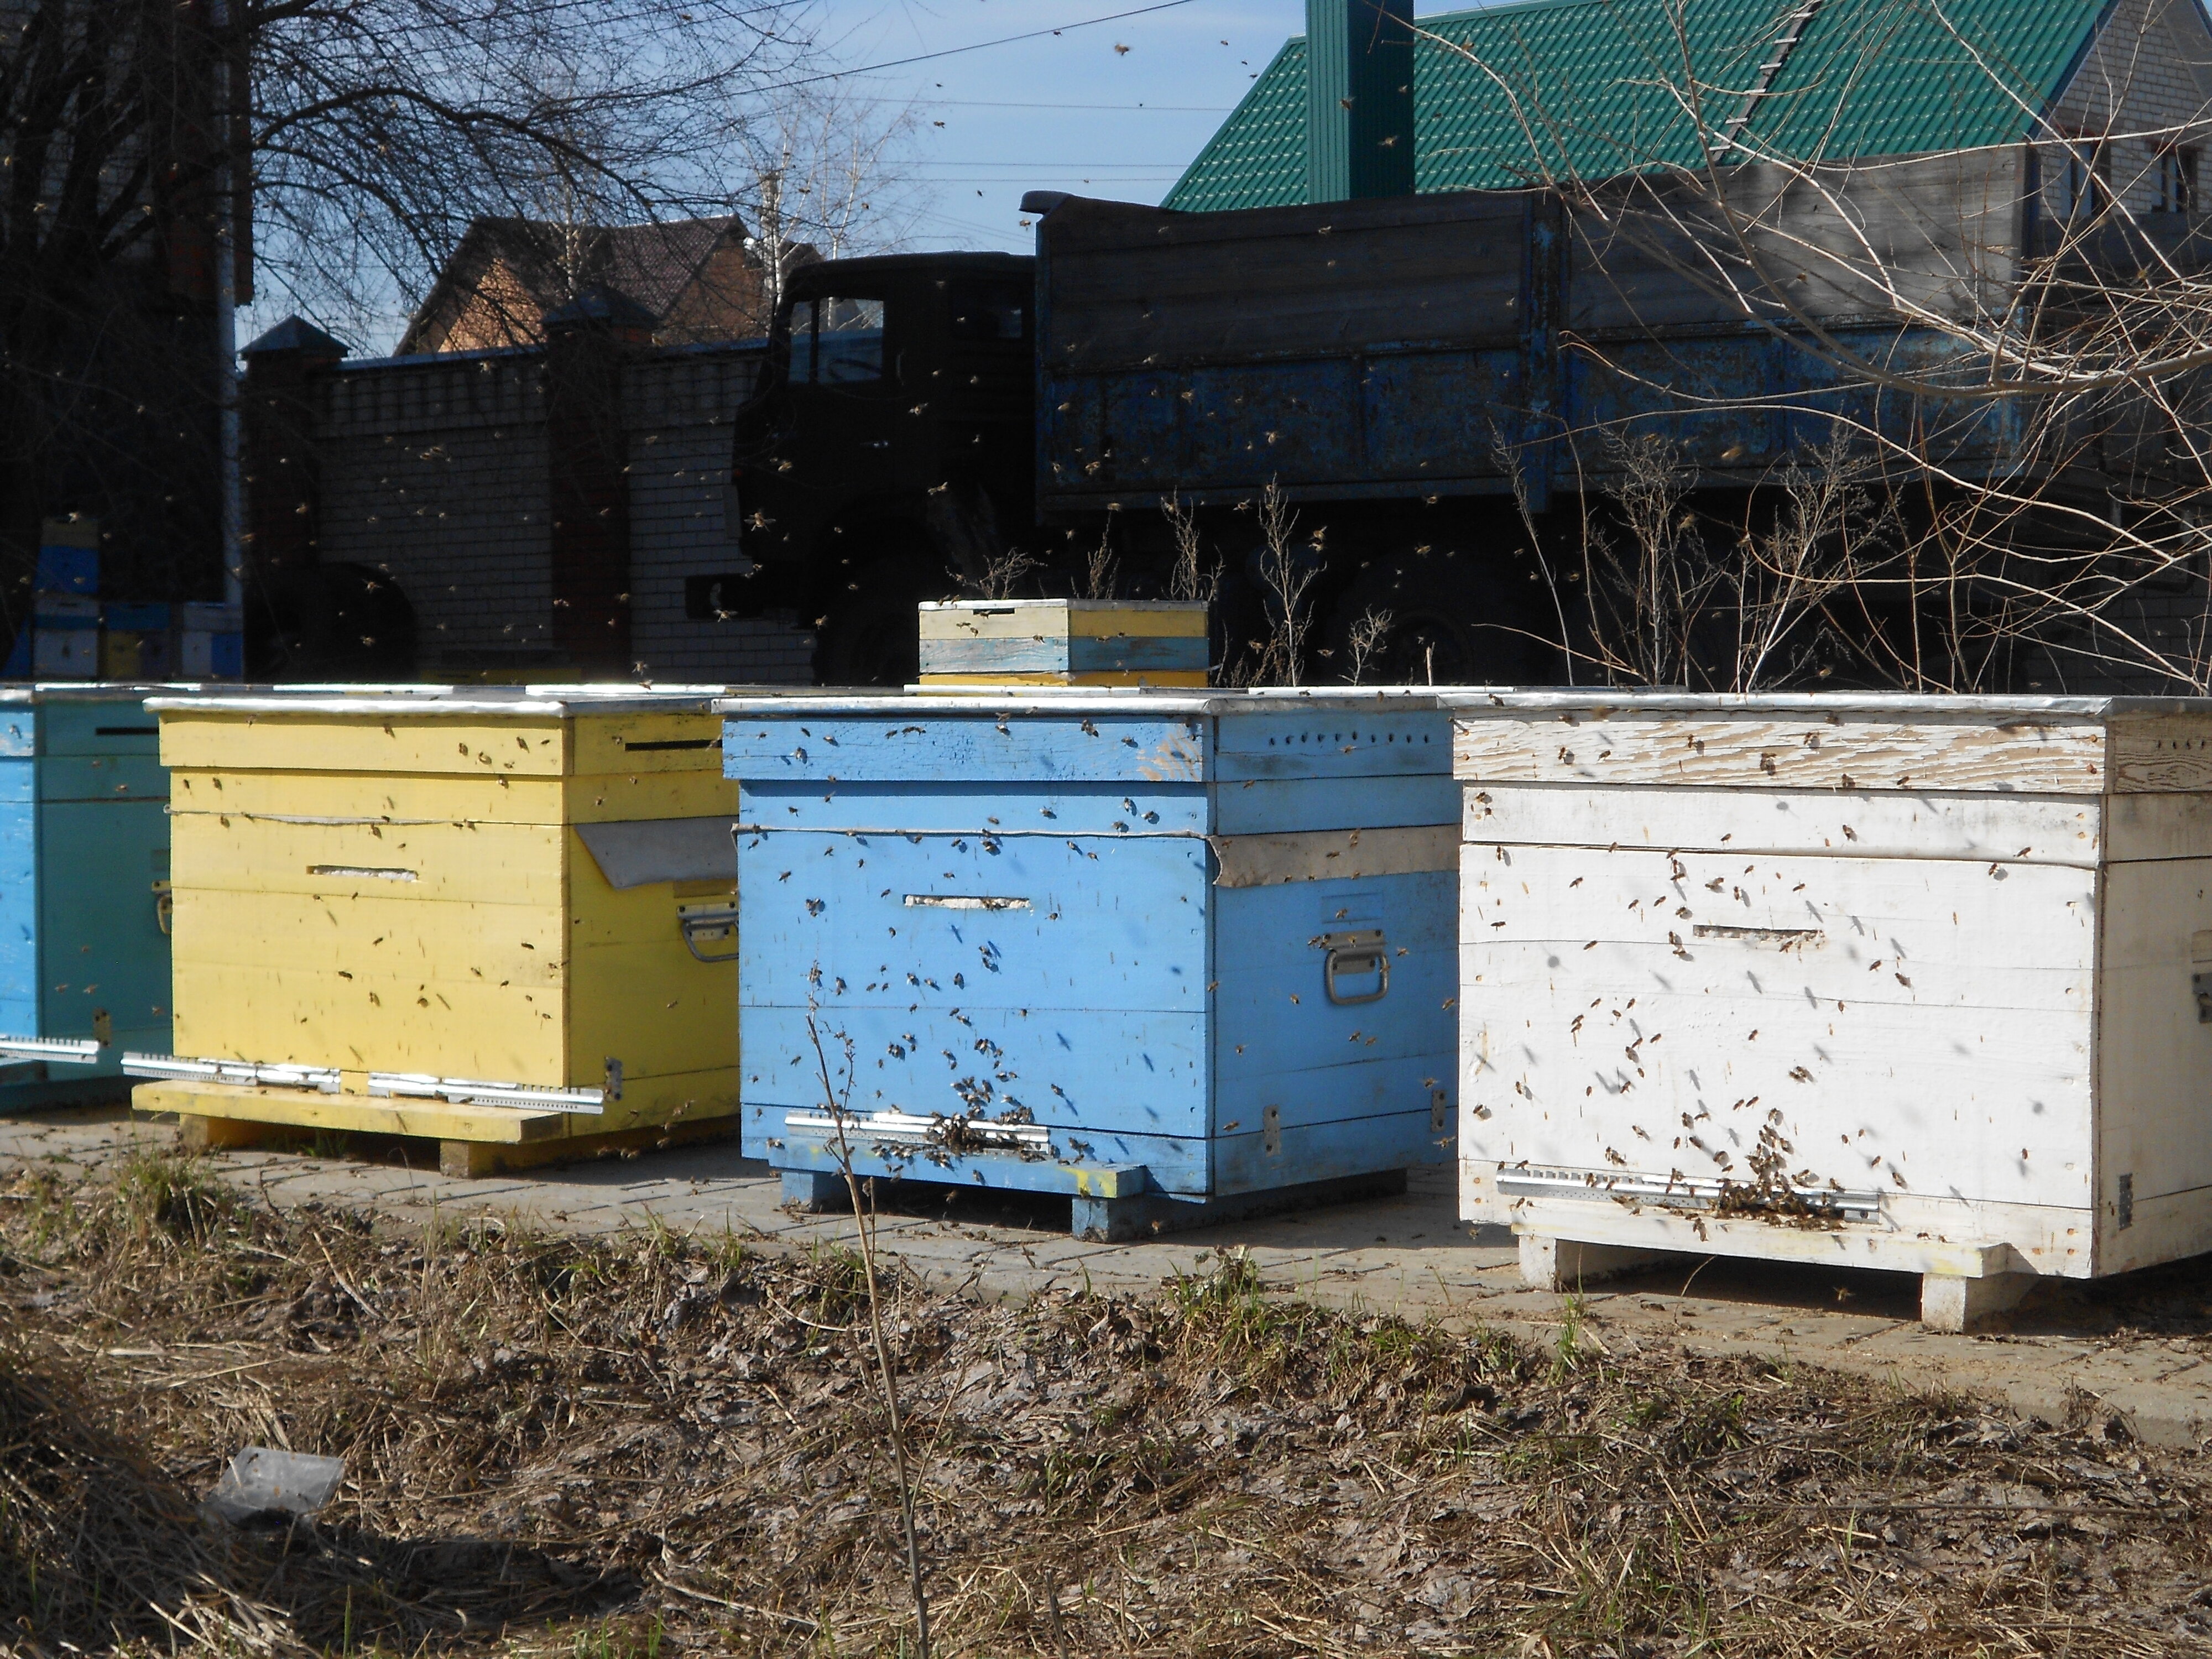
x=462, y=1151
x=1949, y=1302
x=1191, y=958
x=84, y=868
x=1111, y=1218
x=525, y=897
x=1955, y=1303
x=33, y=1086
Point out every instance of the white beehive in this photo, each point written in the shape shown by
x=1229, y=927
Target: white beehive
x=1914, y=983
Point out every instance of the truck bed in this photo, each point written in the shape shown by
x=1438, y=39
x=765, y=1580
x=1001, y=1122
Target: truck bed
x=1428, y=344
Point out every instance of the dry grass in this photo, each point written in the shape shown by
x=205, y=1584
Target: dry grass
x=655, y=1443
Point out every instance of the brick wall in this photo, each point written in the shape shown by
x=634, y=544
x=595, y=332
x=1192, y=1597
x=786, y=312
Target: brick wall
x=2146, y=82
x=677, y=407
x=435, y=470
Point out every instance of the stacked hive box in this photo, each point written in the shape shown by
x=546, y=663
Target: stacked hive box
x=84, y=867
x=501, y=921
x=1164, y=954
x=1064, y=642
x=1911, y=983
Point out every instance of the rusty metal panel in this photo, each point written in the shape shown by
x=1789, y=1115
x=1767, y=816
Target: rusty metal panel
x=1427, y=417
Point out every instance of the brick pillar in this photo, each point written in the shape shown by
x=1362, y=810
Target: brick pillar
x=588, y=342
x=283, y=461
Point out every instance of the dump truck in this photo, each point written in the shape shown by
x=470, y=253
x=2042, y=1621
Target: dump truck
x=1379, y=401
x=1419, y=378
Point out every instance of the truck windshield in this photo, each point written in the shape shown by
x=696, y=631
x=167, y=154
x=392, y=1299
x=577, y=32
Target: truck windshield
x=836, y=341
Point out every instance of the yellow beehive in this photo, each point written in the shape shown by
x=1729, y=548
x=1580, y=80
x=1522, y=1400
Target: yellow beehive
x=408, y=897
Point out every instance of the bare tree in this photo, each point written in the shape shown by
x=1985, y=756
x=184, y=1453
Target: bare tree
x=1993, y=361
x=1002, y=572
x=833, y=174
x=1099, y=577
x=373, y=132
x=837, y=1085
x=1785, y=577
x=1647, y=597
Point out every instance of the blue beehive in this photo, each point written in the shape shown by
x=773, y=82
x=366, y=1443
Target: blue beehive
x=1164, y=952
x=84, y=868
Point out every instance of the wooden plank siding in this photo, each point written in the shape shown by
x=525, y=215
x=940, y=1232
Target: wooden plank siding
x=1943, y=950
x=84, y=839
x=379, y=886
x=1105, y=924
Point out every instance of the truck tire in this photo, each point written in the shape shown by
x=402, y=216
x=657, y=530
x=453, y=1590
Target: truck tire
x=1453, y=622
x=871, y=636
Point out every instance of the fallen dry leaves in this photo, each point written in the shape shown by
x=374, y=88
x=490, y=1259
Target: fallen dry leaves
x=654, y=1443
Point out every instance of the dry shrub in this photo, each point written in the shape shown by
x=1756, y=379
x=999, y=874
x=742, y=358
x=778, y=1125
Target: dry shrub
x=616, y=1444
x=97, y=1547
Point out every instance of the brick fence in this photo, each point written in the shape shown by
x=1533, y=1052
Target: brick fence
x=439, y=473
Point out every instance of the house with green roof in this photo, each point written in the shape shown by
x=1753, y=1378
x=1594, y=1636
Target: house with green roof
x=2102, y=99
x=1459, y=287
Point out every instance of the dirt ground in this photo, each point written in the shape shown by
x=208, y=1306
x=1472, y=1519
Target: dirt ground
x=656, y=1444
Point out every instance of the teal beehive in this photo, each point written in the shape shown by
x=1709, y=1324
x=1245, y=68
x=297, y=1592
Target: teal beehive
x=1176, y=955
x=84, y=867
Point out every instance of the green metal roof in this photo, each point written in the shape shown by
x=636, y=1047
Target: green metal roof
x=1598, y=87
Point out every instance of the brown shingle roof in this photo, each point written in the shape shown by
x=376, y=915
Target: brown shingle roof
x=508, y=273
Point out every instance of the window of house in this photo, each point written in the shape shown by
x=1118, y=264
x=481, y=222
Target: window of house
x=2177, y=179
x=837, y=340
x=2084, y=178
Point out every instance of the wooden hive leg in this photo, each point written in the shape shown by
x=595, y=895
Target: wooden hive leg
x=1565, y=1264
x=1948, y=1303
x=471, y=1160
x=815, y=1192
x=1108, y=1220
x=214, y=1135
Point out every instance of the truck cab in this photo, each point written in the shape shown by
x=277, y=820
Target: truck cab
x=887, y=451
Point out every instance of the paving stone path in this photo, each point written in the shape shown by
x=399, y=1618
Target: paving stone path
x=2070, y=1349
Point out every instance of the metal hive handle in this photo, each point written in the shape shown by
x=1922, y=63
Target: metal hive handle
x=708, y=923
x=1366, y=951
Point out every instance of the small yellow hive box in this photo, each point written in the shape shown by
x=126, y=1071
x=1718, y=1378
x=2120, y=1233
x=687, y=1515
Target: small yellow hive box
x=1064, y=642
x=503, y=919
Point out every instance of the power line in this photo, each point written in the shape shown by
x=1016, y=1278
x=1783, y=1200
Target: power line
x=1063, y=167
x=980, y=45
x=1147, y=109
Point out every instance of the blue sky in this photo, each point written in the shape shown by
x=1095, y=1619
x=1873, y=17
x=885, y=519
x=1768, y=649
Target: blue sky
x=1116, y=109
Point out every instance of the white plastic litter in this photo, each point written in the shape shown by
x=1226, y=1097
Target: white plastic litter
x=262, y=1482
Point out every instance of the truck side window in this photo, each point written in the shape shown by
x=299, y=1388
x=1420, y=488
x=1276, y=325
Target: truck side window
x=836, y=341
x=989, y=311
